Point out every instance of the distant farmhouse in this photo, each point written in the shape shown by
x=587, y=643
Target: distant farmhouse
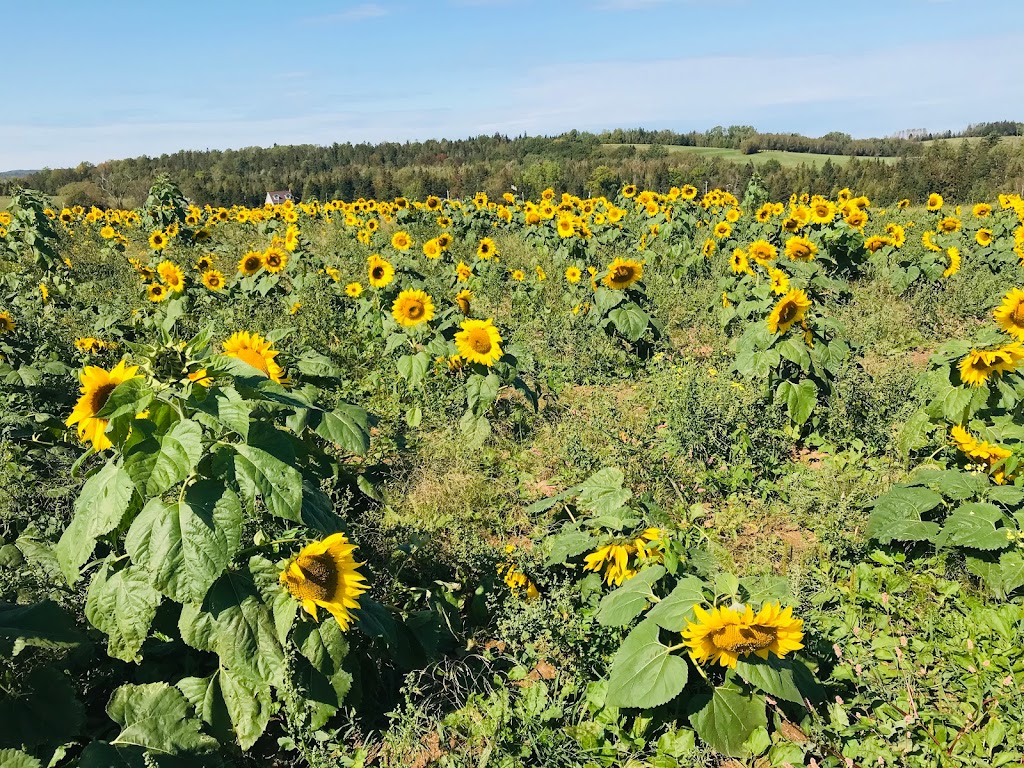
x=277, y=198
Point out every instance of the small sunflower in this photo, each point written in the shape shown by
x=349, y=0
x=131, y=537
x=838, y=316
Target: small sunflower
x=432, y=249
x=325, y=575
x=791, y=309
x=258, y=352
x=723, y=635
x=739, y=262
x=722, y=230
x=379, y=272
x=954, y=262
x=157, y=292
x=251, y=263
x=97, y=385
x=462, y=299
x=275, y=259
x=800, y=249
x=934, y=202
x=463, y=272
x=622, y=273
x=6, y=322
x=354, y=290
x=762, y=252
x=573, y=274
x=213, y=280
x=172, y=275
x=780, y=281
x=984, y=237
x=158, y=240
x=479, y=342
x=412, y=307
x=401, y=241
x=486, y=249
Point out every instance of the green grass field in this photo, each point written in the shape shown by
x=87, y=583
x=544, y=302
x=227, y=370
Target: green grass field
x=786, y=159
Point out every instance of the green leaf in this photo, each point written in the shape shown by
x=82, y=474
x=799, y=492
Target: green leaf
x=318, y=511
x=1010, y=495
x=897, y=515
x=974, y=525
x=568, y=545
x=127, y=399
x=122, y=604
x=800, y=399
x=630, y=321
x=157, y=718
x=413, y=368
x=773, y=675
x=100, y=508
x=644, y=673
x=602, y=493
x=45, y=712
x=954, y=404
x=277, y=482
x=14, y=758
x=1011, y=571
x=236, y=709
x=727, y=718
x=346, y=426
x=957, y=485
x=39, y=625
x=673, y=612
x=158, y=463
x=228, y=408
x=620, y=607
x=184, y=546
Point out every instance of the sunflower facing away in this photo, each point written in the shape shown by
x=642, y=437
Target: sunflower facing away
x=622, y=273
x=723, y=635
x=325, y=574
x=258, y=352
x=412, y=307
x=463, y=299
x=614, y=558
x=790, y=309
x=379, y=272
x=1010, y=314
x=479, y=342
x=97, y=384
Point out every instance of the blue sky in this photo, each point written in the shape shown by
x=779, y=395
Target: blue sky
x=97, y=81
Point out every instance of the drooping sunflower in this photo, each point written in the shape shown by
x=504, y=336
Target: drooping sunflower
x=157, y=292
x=486, y=249
x=978, y=365
x=379, y=272
x=6, y=322
x=954, y=262
x=1010, y=314
x=97, y=384
x=791, y=309
x=354, y=290
x=275, y=259
x=614, y=558
x=800, y=249
x=251, y=263
x=876, y=242
x=325, y=575
x=479, y=342
x=780, y=281
x=412, y=307
x=205, y=263
x=984, y=237
x=463, y=299
x=725, y=634
x=463, y=272
x=157, y=240
x=258, y=352
x=401, y=241
x=213, y=280
x=622, y=273
x=172, y=275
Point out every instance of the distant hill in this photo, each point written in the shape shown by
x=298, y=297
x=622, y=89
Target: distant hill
x=16, y=174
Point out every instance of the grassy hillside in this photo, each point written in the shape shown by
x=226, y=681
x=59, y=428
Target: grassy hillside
x=786, y=159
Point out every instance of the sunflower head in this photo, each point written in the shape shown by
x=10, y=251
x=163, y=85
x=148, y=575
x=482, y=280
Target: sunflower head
x=479, y=342
x=401, y=241
x=790, y=310
x=251, y=263
x=573, y=274
x=412, y=307
x=157, y=292
x=726, y=634
x=213, y=280
x=256, y=351
x=1010, y=314
x=486, y=249
x=622, y=273
x=325, y=575
x=6, y=322
x=462, y=299
x=275, y=259
x=97, y=385
x=800, y=249
x=379, y=272
x=934, y=201
x=354, y=290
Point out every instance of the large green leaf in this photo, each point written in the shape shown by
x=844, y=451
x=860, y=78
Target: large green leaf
x=644, y=672
x=1011, y=567
x=602, y=493
x=101, y=507
x=40, y=625
x=897, y=515
x=225, y=406
x=236, y=709
x=630, y=321
x=773, y=675
x=157, y=718
x=568, y=544
x=122, y=604
x=15, y=758
x=726, y=719
x=974, y=525
x=158, y=463
x=620, y=607
x=184, y=546
x=673, y=612
x=346, y=426
x=263, y=474
x=44, y=713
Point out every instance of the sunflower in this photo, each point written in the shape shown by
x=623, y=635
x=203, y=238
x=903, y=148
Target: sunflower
x=934, y=201
x=904, y=203
x=325, y=574
x=517, y=274
x=629, y=190
x=379, y=272
x=157, y=292
x=823, y=211
x=622, y=273
x=412, y=307
x=739, y=262
x=107, y=232
x=463, y=272
x=157, y=240
x=205, y=263
x=928, y=240
x=980, y=451
x=981, y=210
x=97, y=384
x=614, y=558
x=780, y=281
x=790, y=309
x=355, y=290
x=462, y=299
x=291, y=238
x=172, y=275
x=762, y=252
x=275, y=259
x=573, y=274
x=723, y=635
x=401, y=241
x=876, y=242
x=258, y=352
x=722, y=230
x=486, y=249
x=948, y=225
x=979, y=364
x=984, y=237
x=213, y=279
x=432, y=249
x=897, y=234
x=251, y=263
x=800, y=249
x=954, y=262
x=856, y=218
x=1010, y=314
x=479, y=342
x=6, y=322
x=444, y=241
x=565, y=227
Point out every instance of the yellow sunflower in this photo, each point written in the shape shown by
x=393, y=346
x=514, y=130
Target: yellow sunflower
x=725, y=634
x=791, y=309
x=258, y=352
x=622, y=273
x=984, y=237
x=517, y=274
x=157, y=292
x=172, y=275
x=614, y=558
x=949, y=225
x=97, y=384
x=275, y=259
x=981, y=210
x=355, y=290
x=432, y=249
x=462, y=299
x=780, y=281
x=401, y=241
x=800, y=249
x=876, y=242
x=479, y=342
x=486, y=249
x=6, y=322
x=157, y=240
x=463, y=272
x=573, y=274
x=325, y=574
x=739, y=262
x=1010, y=314
x=213, y=280
x=251, y=263
x=379, y=272
x=934, y=201
x=978, y=365
x=762, y=252
x=823, y=211
x=722, y=230
x=412, y=307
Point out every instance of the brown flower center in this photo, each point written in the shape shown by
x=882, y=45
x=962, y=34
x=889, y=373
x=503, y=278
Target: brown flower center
x=480, y=341
x=787, y=313
x=414, y=311
x=100, y=396
x=1017, y=315
x=739, y=639
x=321, y=581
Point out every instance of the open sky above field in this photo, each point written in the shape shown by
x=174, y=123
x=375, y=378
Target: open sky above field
x=123, y=78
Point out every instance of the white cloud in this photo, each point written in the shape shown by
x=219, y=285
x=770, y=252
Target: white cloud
x=357, y=13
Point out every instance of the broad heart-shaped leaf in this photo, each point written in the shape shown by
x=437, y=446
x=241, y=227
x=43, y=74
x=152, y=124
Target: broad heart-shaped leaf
x=568, y=544
x=801, y=400
x=897, y=515
x=101, y=506
x=318, y=511
x=630, y=321
x=602, y=492
x=45, y=713
x=40, y=625
x=726, y=718
x=957, y=485
x=1011, y=571
x=346, y=426
x=158, y=463
x=100, y=754
x=242, y=631
x=15, y=758
x=974, y=525
x=264, y=474
x=413, y=368
x=1010, y=495
x=644, y=673
x=773, y=675
x=620, y=607
x=673, y=612
x=235, y=709
x=184, y=546
x=122, y=604
x=157, y=718
x=225, y=406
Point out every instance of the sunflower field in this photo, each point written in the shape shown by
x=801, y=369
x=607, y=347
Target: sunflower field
x=657, y=480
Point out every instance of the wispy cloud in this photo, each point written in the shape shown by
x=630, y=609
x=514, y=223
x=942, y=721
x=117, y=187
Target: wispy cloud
x=356, y=13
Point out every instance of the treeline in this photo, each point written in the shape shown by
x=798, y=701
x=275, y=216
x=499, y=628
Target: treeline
x=580, y=163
